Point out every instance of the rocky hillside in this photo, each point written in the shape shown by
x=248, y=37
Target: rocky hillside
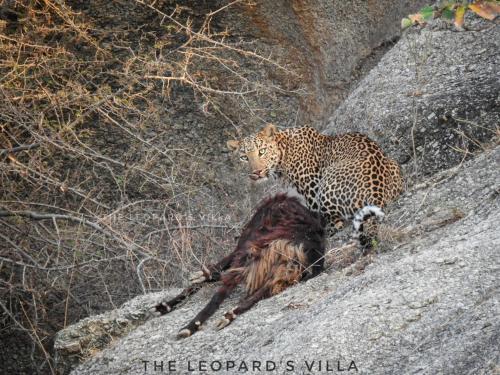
x=427, y=304
x=425, y=301
x=433, y=99
x=114, y=176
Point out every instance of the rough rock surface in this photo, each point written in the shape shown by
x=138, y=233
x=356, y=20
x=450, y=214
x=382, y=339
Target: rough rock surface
x=427, y=300
x=431, y=99
x=428, y=305
x=325, y=40
x=326, y=43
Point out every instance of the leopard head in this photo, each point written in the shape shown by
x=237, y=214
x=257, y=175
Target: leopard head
x=260, y=151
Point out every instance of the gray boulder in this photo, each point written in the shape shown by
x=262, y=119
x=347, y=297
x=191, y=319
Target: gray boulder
x=433, y=99
x=427, y=303
x=326, y=41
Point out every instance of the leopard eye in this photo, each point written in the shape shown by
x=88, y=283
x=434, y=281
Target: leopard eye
x=262, y=151
x=244, y=158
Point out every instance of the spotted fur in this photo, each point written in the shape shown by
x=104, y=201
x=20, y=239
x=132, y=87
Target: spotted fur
x=337, y=175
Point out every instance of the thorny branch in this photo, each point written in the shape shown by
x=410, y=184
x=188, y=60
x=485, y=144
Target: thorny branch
x=97, y=204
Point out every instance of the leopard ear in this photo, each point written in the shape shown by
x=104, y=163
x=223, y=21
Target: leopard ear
x=233, y=145
x=269, y=131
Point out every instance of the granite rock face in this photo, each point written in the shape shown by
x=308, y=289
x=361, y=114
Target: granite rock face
x=432, y=99
x=426, y=304
x=326, y=41
x=320, y=44
x=424, y=301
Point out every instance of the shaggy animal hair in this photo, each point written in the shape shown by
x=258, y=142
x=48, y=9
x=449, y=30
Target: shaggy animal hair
x=282, y=244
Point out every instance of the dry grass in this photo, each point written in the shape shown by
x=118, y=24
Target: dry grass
x=95, y=204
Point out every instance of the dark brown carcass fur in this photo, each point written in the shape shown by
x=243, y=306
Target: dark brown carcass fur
x=282, y=244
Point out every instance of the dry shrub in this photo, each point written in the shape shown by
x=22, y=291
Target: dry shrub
x=95, y=204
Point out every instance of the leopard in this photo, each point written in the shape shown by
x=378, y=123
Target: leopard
x=343, y=177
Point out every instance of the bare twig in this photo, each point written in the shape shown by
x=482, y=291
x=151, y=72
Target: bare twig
x=44, y=216
x=18, y=149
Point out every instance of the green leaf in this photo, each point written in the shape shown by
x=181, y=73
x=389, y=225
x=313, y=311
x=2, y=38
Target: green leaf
x=427, y=13
x=406, y=22
x=448, y=14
